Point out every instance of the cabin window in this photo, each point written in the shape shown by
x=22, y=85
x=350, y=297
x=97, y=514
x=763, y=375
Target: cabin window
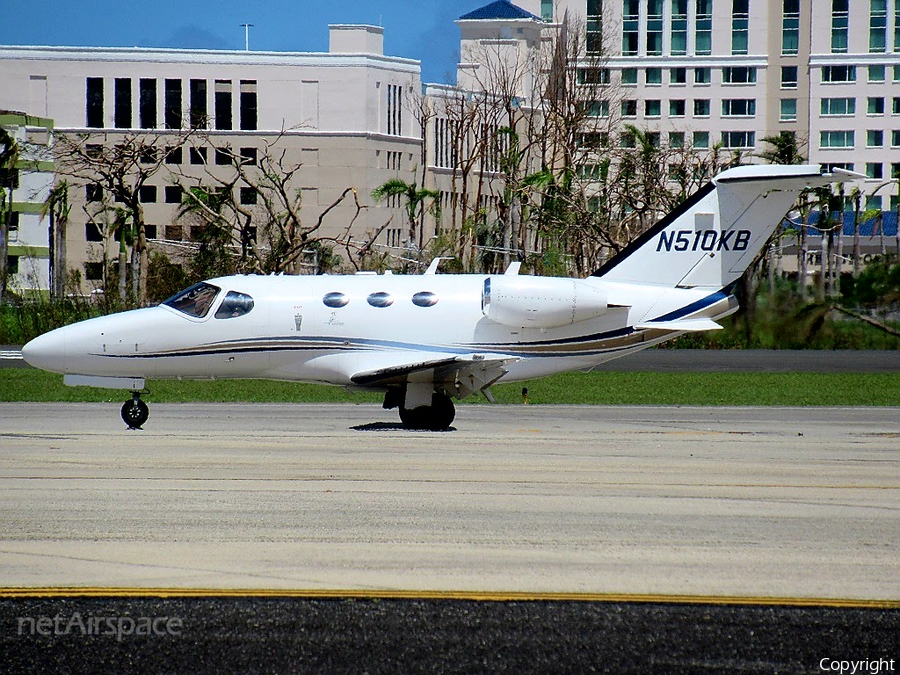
x=380, y=299
x=335, y=300
x=194, y=301
x=425, y=299
x=234, y=305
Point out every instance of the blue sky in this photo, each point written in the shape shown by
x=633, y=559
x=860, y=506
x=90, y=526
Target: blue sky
x=418, y=29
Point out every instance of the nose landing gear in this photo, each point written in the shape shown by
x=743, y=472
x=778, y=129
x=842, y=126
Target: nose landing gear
x=135, y=412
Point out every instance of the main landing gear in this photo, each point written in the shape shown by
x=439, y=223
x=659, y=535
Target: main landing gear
x=435, y=417
x=135, y=412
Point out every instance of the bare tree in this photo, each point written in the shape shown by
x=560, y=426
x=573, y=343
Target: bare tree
x=249, y=216
x=119, y=165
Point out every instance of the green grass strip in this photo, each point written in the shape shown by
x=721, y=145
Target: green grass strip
x=613, y=388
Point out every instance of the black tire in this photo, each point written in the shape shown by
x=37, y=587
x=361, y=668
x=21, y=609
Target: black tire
x=134, y=413
x=436, y=417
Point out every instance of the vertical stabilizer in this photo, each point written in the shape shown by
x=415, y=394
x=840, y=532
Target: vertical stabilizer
x=714, y=236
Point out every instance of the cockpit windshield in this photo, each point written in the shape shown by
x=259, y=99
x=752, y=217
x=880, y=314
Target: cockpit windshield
x=194, y=301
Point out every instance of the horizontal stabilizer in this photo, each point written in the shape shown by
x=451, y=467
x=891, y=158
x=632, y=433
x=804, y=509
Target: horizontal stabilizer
x=686, y=325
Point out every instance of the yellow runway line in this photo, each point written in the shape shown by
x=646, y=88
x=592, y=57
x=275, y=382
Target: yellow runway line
x=477, y=596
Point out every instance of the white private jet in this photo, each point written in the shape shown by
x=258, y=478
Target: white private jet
x=427, y=339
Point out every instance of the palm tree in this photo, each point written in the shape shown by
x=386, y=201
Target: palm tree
x=415, y=198
x=57, y=207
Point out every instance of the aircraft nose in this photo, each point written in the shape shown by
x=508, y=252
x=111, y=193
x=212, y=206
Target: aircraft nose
x=47, y=352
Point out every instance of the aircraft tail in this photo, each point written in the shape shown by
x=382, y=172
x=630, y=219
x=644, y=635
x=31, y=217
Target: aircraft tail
x=710, y=239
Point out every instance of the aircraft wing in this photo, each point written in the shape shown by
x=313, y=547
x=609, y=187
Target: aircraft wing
x=462, y=373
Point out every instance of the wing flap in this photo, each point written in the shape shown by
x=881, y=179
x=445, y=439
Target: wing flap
x=685, y=325
x=460, y=374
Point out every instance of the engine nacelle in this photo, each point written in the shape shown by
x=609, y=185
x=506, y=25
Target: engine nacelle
x=540, y=302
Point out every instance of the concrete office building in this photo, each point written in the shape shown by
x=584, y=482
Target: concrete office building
x=734, y=72
x=344, y=115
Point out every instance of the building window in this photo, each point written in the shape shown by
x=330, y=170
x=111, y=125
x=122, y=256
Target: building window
x=92, y=232
x=174, y=155
x=896, y=28
x=654, y=27
x=654, y=75
x=248, y=195
x=173, y=104
x=248, y=156
x=739, y=75
x=199, y=110
x=838, y=106
x=222, y=104
x=93, y=271
x=547, y=10
x=702, y=75
x=149, y=155
x=394, y=110
x=678, y=76
x=629, y=75
x=836, y=139
x=874, y=139
x=895, y=138
x=629, y=107
x=873, y=203
x=147, y=104
x=839, y=21
x=597, y=109
x=147, y=194
x=876, y=74
x=701, y=139
x=249, y=103
x=94, y=96
x=701, y=107
x=738, y=140
x=895, y=105
x=93, y=192
x=703, y=28
x=198, y=155
x=740, y=19
x=676, y=108
x=172, y=194
x=788, y=110
x=594, y=23
x=122, y=113
x=679, y=27
x=877, y=25
x=838, y=73
x=676, y=139
x=790, y=27
x=875, y=105
x=789, y=77
x=652, y=108
x=593, y=76
x=630, y=27
x=223, y=156
x=738, y=107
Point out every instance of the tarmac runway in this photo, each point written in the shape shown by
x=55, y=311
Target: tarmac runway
x=527, y=539
x=761, y=502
